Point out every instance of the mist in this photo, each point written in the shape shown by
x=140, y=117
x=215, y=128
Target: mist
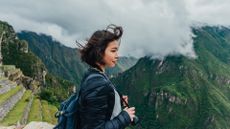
x=157, y=27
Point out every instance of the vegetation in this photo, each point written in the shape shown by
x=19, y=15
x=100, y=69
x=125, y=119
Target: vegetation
x=53, y=110
x=59, y=60
x=35, y=111
x=16, y=114
x=48, y=112
x=45, y=112
x=63, y=61
x=16, y=52
x=180, y=92
x=56, y=90
x=7, y=95
x=175, y=93
x=41, y=110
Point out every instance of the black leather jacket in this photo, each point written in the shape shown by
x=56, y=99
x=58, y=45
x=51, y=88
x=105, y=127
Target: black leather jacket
x=96, y=104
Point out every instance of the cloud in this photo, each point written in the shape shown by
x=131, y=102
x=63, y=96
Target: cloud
x=56, y=31
x=212, y=12
x=159, y=27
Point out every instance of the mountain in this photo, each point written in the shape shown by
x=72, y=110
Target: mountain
x=183, y=93
x=59, y=60
x=63, y=61
x=27, y=91
x=17, y=53
x=122, y=65
x=174, y=93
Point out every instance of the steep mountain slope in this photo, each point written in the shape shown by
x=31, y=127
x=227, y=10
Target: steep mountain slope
x=123, y=64
x=21, y=105
x=179, y=92
x=59, y=60
x=64, y=61
x=16, y=52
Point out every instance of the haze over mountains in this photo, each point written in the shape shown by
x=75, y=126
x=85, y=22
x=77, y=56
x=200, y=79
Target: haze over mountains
x=183, y=93
x=174, y=93
x=65, y=61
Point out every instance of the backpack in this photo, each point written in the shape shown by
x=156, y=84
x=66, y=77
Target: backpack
x=68, y=112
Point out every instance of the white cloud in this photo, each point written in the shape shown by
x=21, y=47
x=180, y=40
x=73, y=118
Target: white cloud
x=56, y=31
x=150, y=27
x=212, y=12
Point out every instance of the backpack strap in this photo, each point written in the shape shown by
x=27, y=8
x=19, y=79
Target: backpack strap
x=62, y=114
x=75, y=95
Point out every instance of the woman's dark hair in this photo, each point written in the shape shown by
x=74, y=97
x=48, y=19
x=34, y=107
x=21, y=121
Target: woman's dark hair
x=94, y=49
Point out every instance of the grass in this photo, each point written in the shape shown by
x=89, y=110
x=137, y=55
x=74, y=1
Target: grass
x=7, y=95
x=9, y=67
x=45, y=112
x=53, y=110
x=46, y=116
x=16, y=113
x=35, y=111
x=48, y=112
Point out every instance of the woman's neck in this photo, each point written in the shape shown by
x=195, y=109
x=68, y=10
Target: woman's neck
x=102, y=67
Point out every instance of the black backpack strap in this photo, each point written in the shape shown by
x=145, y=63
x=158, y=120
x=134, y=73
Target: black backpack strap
x=62, y=114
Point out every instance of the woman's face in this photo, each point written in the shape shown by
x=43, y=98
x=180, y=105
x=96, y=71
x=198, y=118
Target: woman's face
x=111, y=54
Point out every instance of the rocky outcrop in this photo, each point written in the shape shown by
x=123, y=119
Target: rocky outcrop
x=15, y=75
x=9, y=127
x=12, y=73
x=39, y=125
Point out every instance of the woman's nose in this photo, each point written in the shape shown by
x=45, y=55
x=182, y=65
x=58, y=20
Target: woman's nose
x=116, y=56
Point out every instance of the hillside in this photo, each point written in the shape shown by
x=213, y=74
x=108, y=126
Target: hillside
x=15, y=52
x=122, y=65
x=59, y=60
x=26, y=93
x=179, y=92
x=63, y=61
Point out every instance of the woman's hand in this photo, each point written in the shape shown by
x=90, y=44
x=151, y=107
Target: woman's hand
x=131, y=112
x=125, y=98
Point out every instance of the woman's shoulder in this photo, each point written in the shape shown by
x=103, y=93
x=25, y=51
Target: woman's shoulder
x=96, y=85
x=94, y=80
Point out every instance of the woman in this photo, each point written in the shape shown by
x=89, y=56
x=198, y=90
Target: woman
x=100, y=103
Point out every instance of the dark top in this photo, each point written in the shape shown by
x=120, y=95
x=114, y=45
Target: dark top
x=96, y=104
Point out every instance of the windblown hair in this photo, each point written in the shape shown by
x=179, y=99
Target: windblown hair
x=93, y=51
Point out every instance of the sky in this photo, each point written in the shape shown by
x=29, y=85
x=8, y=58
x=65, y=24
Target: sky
x=151, y=27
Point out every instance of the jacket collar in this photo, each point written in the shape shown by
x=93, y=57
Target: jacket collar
x=92, y=69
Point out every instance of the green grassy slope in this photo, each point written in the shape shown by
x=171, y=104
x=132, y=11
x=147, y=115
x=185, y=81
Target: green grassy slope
x=180, y=92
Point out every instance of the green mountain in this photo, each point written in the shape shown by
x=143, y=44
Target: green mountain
x=59, y=60
x=183, y=93
x=123, y=64
x=16, y=52
x=63, y=61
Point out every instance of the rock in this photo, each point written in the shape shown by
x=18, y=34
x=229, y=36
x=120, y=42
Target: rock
x=31, y=125
x=39, y=125
x=10, y=127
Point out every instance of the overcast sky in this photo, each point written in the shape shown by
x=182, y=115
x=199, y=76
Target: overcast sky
x=150, y=26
